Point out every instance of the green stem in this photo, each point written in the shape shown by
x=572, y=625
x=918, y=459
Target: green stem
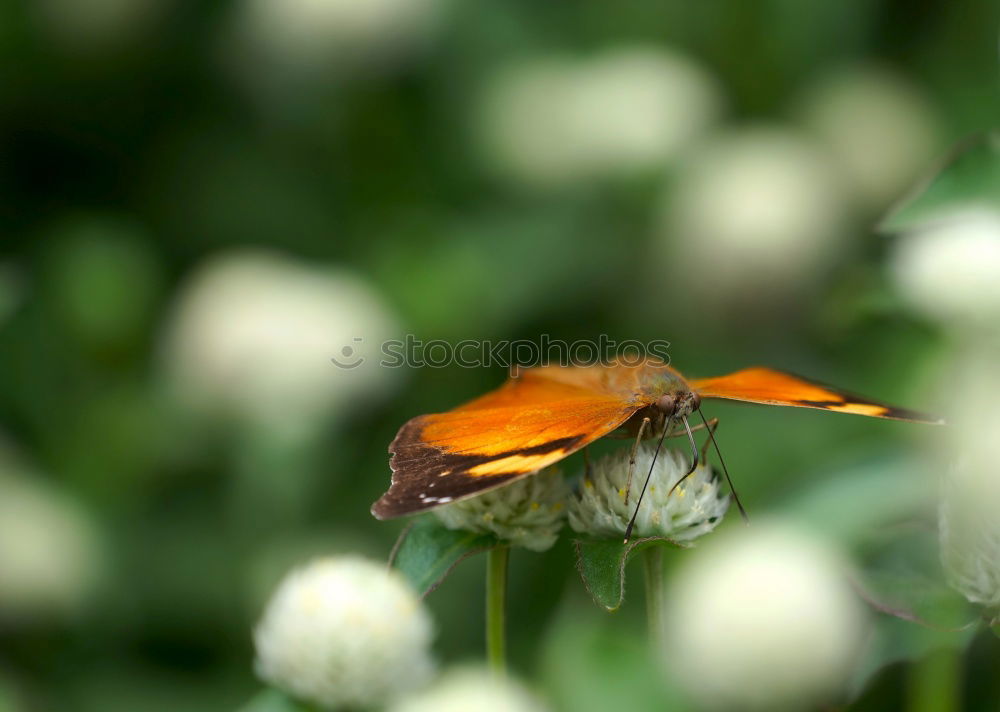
x=652, y=559
x=935, y=682
x=496, y=605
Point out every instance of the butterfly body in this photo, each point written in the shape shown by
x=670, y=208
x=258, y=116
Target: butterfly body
x=542, y=415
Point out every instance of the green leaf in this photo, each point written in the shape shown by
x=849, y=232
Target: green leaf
x=882, y=490
x=601, y=563
x=916, y=612
x=888, y=529
x=271, y=700
x=895, y=640
x=969, y=179
x=428, y=551
x=903, y=577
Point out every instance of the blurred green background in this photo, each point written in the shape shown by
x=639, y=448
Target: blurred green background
x=202, y=203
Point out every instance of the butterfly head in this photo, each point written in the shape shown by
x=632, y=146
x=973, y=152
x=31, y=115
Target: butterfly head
x=678, y=403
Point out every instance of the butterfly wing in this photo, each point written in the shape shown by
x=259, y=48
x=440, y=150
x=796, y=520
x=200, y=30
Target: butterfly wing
x=770, y=387
x=530, y=422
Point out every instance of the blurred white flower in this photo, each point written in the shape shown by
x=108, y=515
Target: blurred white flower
x=762, y=619
x=555, y=121
x=761, y=210
x=84, y=24
x=344, y=632
x=522, y=121
x=949, y=270
x=254, y=336
x=527, y=513
x=969, y=527
x=880, y=130
x=50, y=553
x=970, y=532
x=307, y=36
x=695, y=507
x=466, y=689
x=635, y=108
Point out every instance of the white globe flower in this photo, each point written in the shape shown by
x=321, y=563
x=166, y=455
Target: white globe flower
x=50, y=554
x=522, y=121
x=312, y=35
x=695, y=508
x=344, y=632
x=636, y=108
x=556, y=121
x=970, y=498
x=466, y=689
x=949, y=270
x=271, y=340
x=761, y=209
x=763, y=619
x=970, y=532
x=880, y=130
x=527, y=513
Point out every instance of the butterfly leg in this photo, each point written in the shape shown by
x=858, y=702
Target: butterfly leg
x=586, y=463
x=701, y=426
x=694, y=429
x=712, y=425
x=631, y=461
x=628, y=432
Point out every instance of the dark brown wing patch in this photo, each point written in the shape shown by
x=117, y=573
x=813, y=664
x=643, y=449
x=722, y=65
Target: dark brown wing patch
x=527, y=424
x=425, y=476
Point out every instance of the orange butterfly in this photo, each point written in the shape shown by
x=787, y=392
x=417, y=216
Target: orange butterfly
x=541, y=415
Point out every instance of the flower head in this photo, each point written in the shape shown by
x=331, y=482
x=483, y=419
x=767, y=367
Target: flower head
x=764, y=620
x=763, y=206
x=297, y=38
x=472, y=689
x=949, y=270
x=968, y=525
x=880, y=130
x=344, y=632
x=267, y=339
x=694, y=508
x=527, y=513
x=557, y=121
x=50, y=554
x=970, y=535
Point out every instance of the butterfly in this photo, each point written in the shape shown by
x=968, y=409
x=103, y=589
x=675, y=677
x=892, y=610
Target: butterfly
x=544, y=414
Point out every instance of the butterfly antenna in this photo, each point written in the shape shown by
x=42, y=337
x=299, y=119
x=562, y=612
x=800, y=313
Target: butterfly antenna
x=715, y=444
x=635, y=513
x=631, y=460
x=694, y=457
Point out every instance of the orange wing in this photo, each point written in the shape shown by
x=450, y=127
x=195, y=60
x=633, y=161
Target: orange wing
x=532, y=421
x=770, y=387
